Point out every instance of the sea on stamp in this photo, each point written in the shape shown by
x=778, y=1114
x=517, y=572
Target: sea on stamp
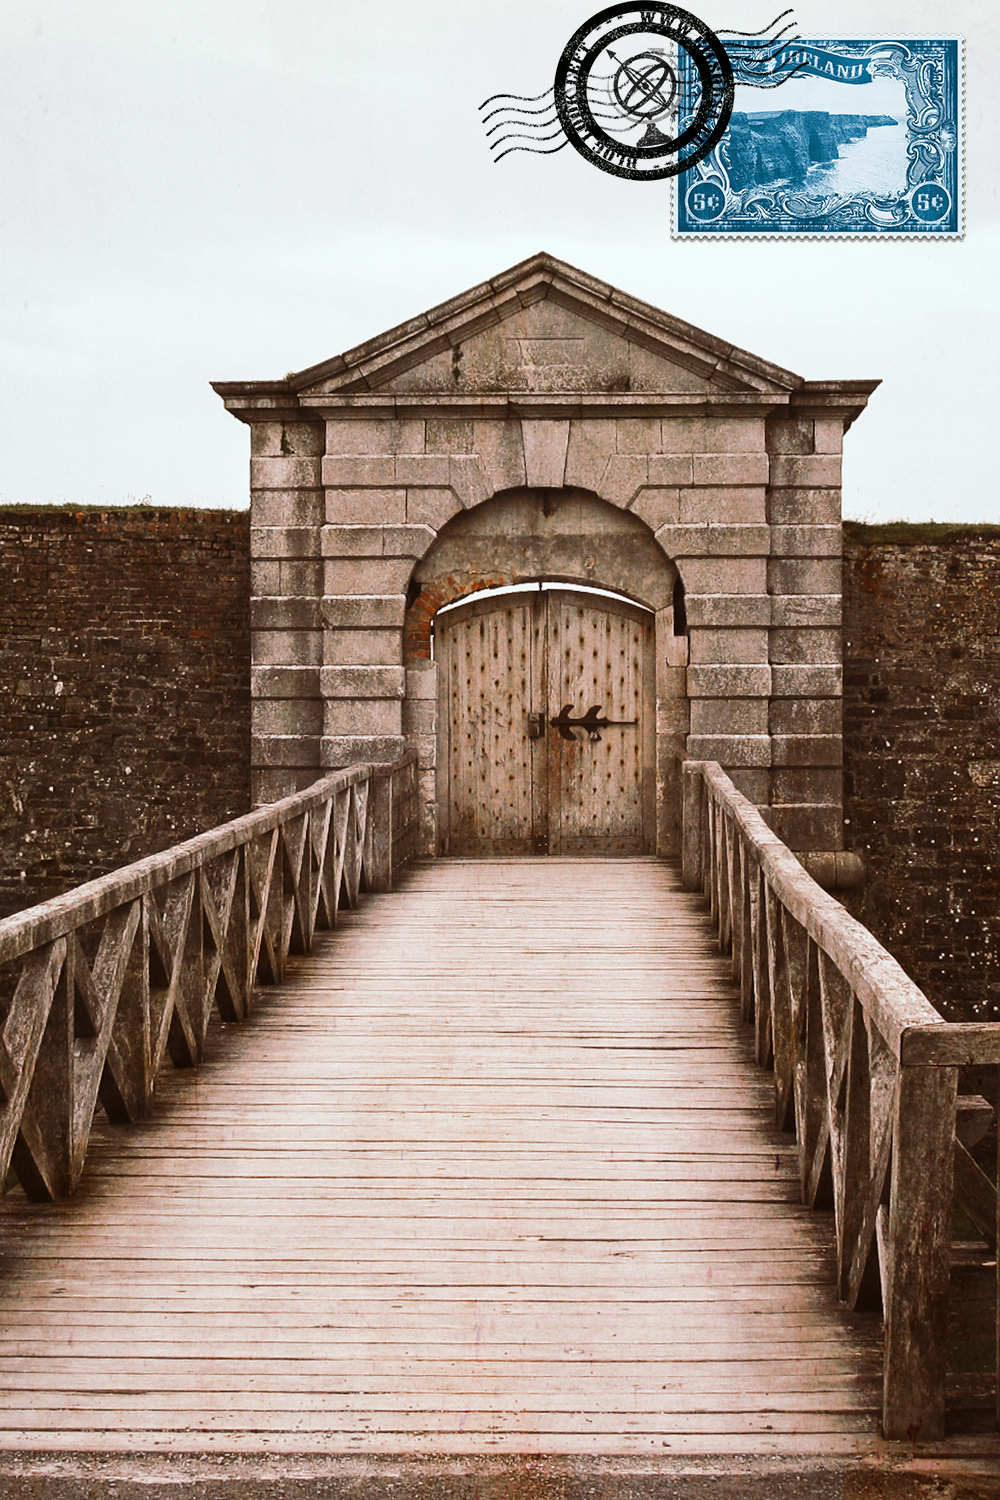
x=867, y=143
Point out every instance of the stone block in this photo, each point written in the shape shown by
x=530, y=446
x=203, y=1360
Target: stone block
x=304, y=439
x=813, y=611
x=468, y=480
x=500, y=447
x=275, y=783
x=286, y=507
x=366, y=575
x=657, y=506
x=296, y=576
x=354, y=507
x=449, y=435
x=730, y=750
x=638, y=435
x=713, y=646
x=286, y=648
x=285, y=473
x=362, y=682
x=284, y=682
x=288, y=718
x=431, y=508
x=545, y=444
x=424, y=471
x=754, y=785
x=285, y=750
x=676, y=650
x=359, y=471
x=807, y=784
x=729, y=682
x=829, y=435
x=671, y=469
x=353, y=541
x=426, y=747
x=722, y=507
x=807, y=681
x=712, y=435
x=731, y=468
x=285, y=614
x=804, y=575
x=806, y=647
x=266, y=439
x=370, y=716
x=806, y=715
x=807, y=749
x=803, y=507
x=806, y=541
x=802, y=472
x=363, y=611
x=265, y=577
x=673, y=716
x=338, y=751
x=729, y=716
x=808, y=827
x=591, y=444
x=419, y=717
x=377, y=436
x=790, y=435
x=421, y=681
x=283, y=541
x=361, y=647
x=625, y=475
x=729, y=610
x=714, y=541
x=722, y=575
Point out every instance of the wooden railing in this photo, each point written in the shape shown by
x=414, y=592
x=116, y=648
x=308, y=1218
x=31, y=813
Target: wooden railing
x=865, y=1073
x=97, y=986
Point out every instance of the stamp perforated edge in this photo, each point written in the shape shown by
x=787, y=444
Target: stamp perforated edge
x=953, y=237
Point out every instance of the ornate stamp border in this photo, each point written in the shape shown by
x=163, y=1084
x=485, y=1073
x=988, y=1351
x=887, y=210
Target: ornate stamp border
x=714, y=199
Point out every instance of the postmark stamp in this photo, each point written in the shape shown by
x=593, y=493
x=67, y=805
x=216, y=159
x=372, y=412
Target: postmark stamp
x=867, y=143
x=629, y=105
x=642, y=90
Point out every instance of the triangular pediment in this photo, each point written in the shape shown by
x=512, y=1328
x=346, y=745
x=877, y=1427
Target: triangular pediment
x=544, y=327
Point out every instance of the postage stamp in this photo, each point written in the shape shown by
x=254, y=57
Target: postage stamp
x=867, y=143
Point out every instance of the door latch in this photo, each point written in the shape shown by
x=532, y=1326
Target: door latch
x=591, y=721
x=536, y=726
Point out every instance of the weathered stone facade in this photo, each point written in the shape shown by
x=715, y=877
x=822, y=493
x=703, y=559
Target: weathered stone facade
x=538, y=389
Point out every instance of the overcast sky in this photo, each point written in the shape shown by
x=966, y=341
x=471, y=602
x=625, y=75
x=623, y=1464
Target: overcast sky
x=232, y=189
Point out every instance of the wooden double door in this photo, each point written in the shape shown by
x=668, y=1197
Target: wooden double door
x=518, y=772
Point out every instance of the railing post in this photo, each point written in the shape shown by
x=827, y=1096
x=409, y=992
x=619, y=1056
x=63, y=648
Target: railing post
x=916, y=1314
x=379, y=874
x=692, y=873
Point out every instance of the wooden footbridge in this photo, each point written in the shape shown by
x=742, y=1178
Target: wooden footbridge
x=493, y=1168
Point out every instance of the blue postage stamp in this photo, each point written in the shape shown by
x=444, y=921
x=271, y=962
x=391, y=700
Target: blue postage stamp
x=866, y=142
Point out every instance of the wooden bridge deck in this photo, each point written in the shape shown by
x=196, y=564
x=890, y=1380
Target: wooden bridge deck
x=492, y=1172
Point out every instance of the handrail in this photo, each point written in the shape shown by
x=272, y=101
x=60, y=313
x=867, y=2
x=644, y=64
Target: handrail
x=865, y=1073
x=97, y=986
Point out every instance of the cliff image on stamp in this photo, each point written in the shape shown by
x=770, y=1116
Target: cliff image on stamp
x=869, y=142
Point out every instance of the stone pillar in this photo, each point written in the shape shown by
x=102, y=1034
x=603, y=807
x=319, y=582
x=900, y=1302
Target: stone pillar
x=286, y=509
x=806, y=647
x=720, y=542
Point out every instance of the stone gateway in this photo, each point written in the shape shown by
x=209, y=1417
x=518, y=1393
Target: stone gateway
x=649, y=520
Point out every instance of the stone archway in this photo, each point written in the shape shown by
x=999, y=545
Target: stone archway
x=558, y=797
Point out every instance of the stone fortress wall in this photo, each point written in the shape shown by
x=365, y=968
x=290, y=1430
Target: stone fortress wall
x=125, y=643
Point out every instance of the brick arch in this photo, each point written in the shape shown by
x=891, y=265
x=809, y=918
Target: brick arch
x=524, y=535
